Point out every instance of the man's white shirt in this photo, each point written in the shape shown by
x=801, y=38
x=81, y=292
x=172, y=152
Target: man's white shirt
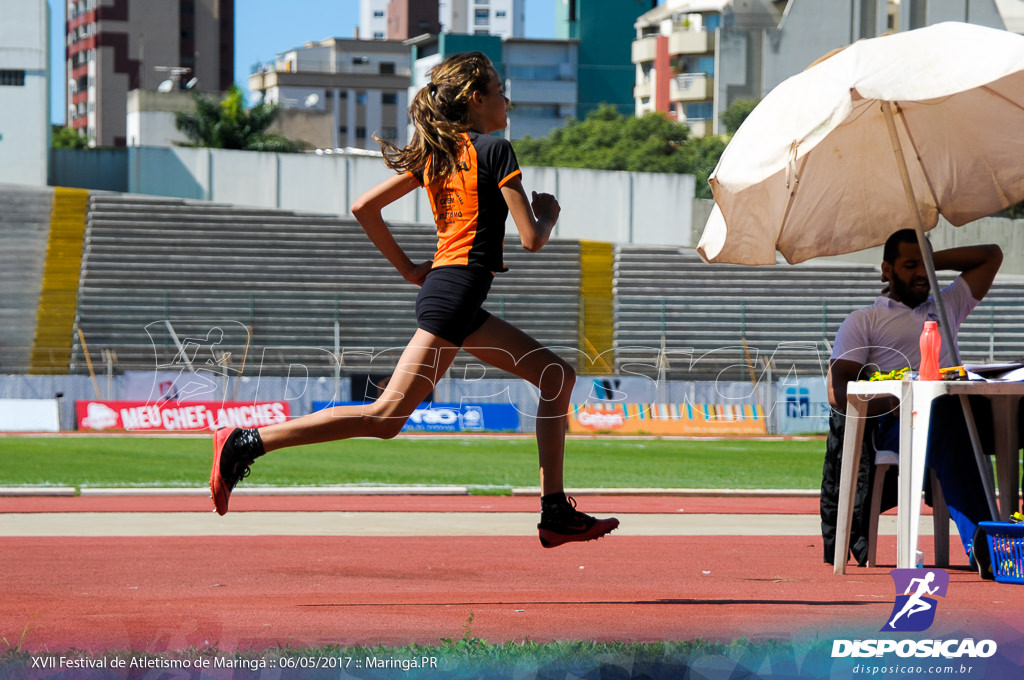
x=886, y=335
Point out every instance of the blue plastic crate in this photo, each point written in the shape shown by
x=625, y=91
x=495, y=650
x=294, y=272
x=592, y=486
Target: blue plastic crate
x=1006, y=546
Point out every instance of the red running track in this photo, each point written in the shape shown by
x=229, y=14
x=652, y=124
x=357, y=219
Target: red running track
x=259, y=592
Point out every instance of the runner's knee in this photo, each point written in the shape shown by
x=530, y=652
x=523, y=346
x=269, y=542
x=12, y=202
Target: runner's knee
x=385, y=421
x=556, y=380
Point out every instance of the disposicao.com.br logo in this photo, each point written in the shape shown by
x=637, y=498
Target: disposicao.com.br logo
x=914, y=611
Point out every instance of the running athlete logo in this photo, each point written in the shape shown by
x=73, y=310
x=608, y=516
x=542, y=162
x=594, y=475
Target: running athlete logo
x=914, y=610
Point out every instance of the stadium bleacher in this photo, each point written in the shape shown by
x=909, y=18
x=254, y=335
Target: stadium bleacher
x=24, y=229
x=287, y=278
x=278, y=289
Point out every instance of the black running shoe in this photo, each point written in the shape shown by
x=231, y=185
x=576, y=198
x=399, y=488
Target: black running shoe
x=228, y=468
x=564, y=524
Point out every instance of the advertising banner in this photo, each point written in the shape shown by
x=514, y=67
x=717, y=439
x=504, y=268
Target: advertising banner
x=802, y=406
x=29, y=415
x=668, y=419
x=452, y=417
x=140, y=416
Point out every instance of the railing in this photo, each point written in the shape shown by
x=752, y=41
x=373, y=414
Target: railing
x=692, y=82
x=727, y=339
x=279, y=333
x=669, y=336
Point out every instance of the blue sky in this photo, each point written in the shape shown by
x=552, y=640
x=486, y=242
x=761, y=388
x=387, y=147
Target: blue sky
x=263, y=28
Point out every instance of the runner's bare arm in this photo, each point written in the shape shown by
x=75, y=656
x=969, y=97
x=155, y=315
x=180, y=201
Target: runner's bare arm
x=534, y=221
x=367, y=209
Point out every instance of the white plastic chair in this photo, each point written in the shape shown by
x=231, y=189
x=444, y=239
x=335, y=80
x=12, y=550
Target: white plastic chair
x=940, y=513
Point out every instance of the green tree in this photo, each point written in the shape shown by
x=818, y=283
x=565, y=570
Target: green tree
x=608, y=140
x=67, y=138
x=736, y=113
x=228, y=124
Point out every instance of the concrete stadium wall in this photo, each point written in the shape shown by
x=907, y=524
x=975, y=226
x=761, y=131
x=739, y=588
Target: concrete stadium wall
x=618, y=207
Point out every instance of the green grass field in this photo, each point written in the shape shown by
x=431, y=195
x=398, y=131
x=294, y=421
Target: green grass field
x=485, y=464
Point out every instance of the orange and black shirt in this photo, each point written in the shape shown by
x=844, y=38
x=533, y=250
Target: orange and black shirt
x=468, y=207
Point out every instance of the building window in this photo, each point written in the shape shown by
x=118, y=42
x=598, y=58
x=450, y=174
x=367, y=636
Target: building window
x=14, y=78
x=389, y=98
x=378, y=35
x=378, y=14
x=500, y=14
x=702, y=111
x=387, y=68
x=389, y=133
x=537, y=110
x=361, y=132
x=481, y=16
x=361, y=98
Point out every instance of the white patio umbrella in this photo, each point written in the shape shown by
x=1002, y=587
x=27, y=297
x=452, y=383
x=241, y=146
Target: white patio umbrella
x=887, y=133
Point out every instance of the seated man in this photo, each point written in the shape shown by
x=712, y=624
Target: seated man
x=885, y=337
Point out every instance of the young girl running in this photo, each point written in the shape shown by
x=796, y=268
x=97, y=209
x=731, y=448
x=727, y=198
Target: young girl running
x=473, y=181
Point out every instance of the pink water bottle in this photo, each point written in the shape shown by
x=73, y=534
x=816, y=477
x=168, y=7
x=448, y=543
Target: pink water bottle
x=931, y=344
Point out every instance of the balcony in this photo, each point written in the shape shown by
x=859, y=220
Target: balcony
x=692, y=87
x=644, y=50
x=699, y=127
x=691, y=42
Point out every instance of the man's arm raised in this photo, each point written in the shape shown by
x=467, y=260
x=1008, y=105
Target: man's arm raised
x=977, y=265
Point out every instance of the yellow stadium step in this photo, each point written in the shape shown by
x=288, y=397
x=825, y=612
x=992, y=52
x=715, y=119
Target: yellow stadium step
x=58, y=301
x=597, y=308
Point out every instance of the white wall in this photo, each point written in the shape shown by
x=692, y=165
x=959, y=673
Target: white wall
x=622, y=207
x=25, y=109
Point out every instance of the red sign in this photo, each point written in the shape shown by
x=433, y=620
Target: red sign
x=140, y=416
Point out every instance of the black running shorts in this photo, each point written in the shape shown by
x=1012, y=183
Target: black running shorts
x=450, y=301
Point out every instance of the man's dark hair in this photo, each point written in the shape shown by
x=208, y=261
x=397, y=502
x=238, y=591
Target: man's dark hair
x=892, y=244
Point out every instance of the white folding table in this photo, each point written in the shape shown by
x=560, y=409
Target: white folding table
x=916, y=399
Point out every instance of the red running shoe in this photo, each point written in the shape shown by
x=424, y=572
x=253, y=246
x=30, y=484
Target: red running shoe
x=227, y=469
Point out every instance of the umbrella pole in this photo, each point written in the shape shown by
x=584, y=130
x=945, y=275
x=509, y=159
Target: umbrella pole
x=926, y=246
x=947, y=332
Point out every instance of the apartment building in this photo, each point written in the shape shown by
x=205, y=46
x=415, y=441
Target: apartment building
x=373, y=20
x=604, y=32
x=505, y=18
x=677, y=53
x=115, y=46
x=540, y=80
x=339, y=93
x=409, y=18
x=539, y=76
x=693, y=58
x=24, y=91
